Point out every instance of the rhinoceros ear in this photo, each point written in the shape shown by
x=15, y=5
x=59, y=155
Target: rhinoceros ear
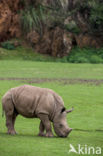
x=70, y=110
x=63, y=109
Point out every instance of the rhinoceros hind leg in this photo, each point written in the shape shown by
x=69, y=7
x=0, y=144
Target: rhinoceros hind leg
x=10, y=121
x=9, y=125
x=47, y=125
x=10, y=111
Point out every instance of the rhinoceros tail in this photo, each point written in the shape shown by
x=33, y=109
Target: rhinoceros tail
x=2, y=109
x=2, y=112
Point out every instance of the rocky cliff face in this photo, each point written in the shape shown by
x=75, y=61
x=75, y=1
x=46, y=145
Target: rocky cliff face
x=55, y=41
x=9, y=19
x=88, y=41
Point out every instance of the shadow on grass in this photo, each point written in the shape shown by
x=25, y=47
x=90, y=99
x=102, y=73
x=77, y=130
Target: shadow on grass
x=25, y=135
x=84, y=130
x=36, y=136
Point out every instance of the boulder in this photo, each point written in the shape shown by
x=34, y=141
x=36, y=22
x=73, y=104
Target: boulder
x=86, y=40
x=14, y=29
x=5, y=21
x=55, y=42
x=33, y=37
x=9, y=19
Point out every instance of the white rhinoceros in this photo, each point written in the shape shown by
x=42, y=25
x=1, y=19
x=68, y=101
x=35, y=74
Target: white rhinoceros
x=35, y=102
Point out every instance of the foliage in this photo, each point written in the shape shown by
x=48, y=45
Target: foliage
x=24, y=53
x=96, y=18
x=86, y=55
x=43, y=16
x=91, y=12
x=72, y=27
x=55, y=13
x=8, y=45
x=32, y=19
x=77, y=55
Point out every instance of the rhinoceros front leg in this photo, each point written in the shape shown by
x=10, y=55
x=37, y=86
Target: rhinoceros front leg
x=41, y=129
x=47, y=125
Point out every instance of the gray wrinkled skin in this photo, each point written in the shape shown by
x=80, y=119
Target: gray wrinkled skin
x=60, y=125
x=35, y=102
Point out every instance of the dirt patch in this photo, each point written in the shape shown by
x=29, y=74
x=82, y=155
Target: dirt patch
x=60, y=80
x=85, y=130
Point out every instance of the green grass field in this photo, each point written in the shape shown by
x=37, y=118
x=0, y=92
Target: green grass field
x=80, y=85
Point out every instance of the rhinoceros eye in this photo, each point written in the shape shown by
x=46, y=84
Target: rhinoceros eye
x=63, y=109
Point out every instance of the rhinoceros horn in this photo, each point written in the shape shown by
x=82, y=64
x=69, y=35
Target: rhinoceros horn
x=70, y=110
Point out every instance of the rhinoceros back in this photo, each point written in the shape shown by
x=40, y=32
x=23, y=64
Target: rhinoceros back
x=30, y=100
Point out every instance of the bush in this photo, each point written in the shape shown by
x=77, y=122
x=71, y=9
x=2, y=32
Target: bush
x=8, y=45
x=72, y=27
x=31, y=19
x=78, y=59
x=86, y=55
x=90, y=15
x=96, y=59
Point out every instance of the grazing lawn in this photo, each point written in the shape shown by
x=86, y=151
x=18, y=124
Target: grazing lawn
x=80, y=85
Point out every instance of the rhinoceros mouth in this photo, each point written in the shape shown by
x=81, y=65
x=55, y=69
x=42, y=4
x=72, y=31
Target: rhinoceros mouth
x=64, y=135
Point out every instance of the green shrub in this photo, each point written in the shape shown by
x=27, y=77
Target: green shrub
x=96, y=59
x=8, y=45
x=77, y=55
x=32, y=19
x=85, y=55
x=78, y=59
x=72, y=27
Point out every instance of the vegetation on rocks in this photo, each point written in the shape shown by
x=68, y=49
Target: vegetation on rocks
x=73, y=16
x=87, y=14
x=53, y=27
x=78, y=55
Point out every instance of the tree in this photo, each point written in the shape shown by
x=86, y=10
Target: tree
x=88, y=15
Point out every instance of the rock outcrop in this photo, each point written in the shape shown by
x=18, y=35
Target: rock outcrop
x=86, y=40
x=55, y=42
x=9, y=20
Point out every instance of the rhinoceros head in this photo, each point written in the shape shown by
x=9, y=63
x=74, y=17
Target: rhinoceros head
x=60, y=125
